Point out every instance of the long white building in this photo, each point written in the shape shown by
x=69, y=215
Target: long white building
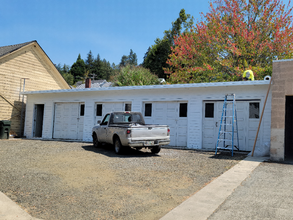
x=193, y=111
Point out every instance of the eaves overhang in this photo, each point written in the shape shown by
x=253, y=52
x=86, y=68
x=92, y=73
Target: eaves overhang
x=157, y=87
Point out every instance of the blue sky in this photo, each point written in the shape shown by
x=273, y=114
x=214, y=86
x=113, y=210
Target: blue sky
x=65, y=28
x=106, y=27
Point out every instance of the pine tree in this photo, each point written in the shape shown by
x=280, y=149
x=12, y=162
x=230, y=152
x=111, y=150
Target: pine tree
x=78, y=69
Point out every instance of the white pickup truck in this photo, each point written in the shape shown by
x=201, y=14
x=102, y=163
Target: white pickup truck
x=128, y=129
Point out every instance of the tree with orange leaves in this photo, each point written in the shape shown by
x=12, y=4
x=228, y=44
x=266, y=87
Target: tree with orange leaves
x=233, y=36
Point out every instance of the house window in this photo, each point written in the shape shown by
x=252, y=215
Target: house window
x=183, y=110
x=99, y=110
x=209, y=110
x=82, y=110
x=127, y=107
x=148, y=109
x=254, y=110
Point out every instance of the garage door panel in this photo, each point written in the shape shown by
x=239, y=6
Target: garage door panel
x=148, y=120
x=66, y=121
x=246, y=127
x=167, y=113
x=182, y=141
x=108, y=107
x=182, y=122
x=159, y=113
x=182, y=130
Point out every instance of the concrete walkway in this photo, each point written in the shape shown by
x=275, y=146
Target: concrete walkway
x=204, y=203
x=9, y=210
x=266, y=194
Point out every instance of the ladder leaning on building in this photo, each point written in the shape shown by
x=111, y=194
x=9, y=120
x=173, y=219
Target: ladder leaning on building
x=228, y=130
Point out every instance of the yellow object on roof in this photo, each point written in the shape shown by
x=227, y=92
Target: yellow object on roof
x=248, y=75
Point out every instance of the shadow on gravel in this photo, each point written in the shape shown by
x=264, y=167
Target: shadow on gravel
x=108, y=150
x=225, y=155
x=287, y=161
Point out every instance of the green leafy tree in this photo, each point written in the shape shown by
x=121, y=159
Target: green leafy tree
x=68, y=78
x=107, y=70
x=157, y=55
x=85, y=76
x=233, y=36
x=89, y=62
x=131, y=59
x=134, y=76
x=58, y=67
x=78, y=69
x=64, y=71
x=97, y=68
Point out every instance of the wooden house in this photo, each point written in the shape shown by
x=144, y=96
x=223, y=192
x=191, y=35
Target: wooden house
x=24, y=67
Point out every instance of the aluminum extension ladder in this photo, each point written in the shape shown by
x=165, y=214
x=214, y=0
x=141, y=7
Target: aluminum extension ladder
x=228, y=126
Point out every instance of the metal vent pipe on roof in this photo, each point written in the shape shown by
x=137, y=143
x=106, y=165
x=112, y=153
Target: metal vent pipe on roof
x=267, y=78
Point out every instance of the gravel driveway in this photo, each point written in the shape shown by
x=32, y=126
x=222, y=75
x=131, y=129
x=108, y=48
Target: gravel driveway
x=70, y=180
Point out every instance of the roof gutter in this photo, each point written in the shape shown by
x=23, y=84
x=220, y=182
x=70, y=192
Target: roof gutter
x=174, y=86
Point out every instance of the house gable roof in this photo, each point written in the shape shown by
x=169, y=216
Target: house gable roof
x=5, y=51
x=9, y=49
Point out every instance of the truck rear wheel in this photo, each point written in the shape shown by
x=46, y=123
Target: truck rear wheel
x=156, y=149
x=118, y=146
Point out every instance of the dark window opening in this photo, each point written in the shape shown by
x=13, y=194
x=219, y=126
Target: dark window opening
x=209, y=110
x=183, y=110
x=127, y=107
x=99, y=110
x=82, y=110
x=148, y=109
x=39, y=116
x=254, y=110
x=289, y=127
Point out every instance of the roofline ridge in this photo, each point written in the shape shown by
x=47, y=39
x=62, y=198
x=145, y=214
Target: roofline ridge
x=19, y=43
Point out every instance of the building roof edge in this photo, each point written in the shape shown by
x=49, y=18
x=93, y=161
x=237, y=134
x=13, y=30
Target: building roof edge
x=173, y=86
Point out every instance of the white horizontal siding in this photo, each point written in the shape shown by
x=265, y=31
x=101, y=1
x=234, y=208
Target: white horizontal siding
x=136, y=106
x=89, y=120
x=194, y=137
x=48, y=119
x=28, y=129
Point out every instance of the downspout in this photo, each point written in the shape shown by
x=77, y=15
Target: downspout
x=22, y=106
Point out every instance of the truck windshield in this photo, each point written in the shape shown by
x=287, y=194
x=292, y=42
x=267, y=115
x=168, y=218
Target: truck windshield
x=126, y=118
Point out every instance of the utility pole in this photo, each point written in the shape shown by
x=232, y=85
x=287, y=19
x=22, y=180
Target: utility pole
x=93, y=76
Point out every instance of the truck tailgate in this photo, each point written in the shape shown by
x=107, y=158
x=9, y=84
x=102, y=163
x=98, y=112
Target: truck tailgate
x=151, y=132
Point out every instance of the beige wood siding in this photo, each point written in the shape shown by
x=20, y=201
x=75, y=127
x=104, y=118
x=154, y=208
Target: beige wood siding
x=31, y=63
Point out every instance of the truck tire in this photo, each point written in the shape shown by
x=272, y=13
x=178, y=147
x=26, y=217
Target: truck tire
x=118, y=146
x=156, y=149
x=96, y=143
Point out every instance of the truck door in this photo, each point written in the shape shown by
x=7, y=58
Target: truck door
x=102, y=131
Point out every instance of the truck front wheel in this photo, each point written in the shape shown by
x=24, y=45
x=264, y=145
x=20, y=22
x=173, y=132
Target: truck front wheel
x=118, y=146
x=156, y=149
x=96, y=143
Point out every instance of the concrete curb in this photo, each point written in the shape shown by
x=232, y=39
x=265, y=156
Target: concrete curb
x=202, y=204
x=9, y=210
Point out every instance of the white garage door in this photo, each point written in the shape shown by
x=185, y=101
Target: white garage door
x=247, y=120
x=173, y=114
x=101, y=109
x=68, y=121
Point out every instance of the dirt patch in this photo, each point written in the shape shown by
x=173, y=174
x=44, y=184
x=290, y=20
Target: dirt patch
x=63, y=180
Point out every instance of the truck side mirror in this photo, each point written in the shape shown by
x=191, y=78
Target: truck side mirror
x=99, y=121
